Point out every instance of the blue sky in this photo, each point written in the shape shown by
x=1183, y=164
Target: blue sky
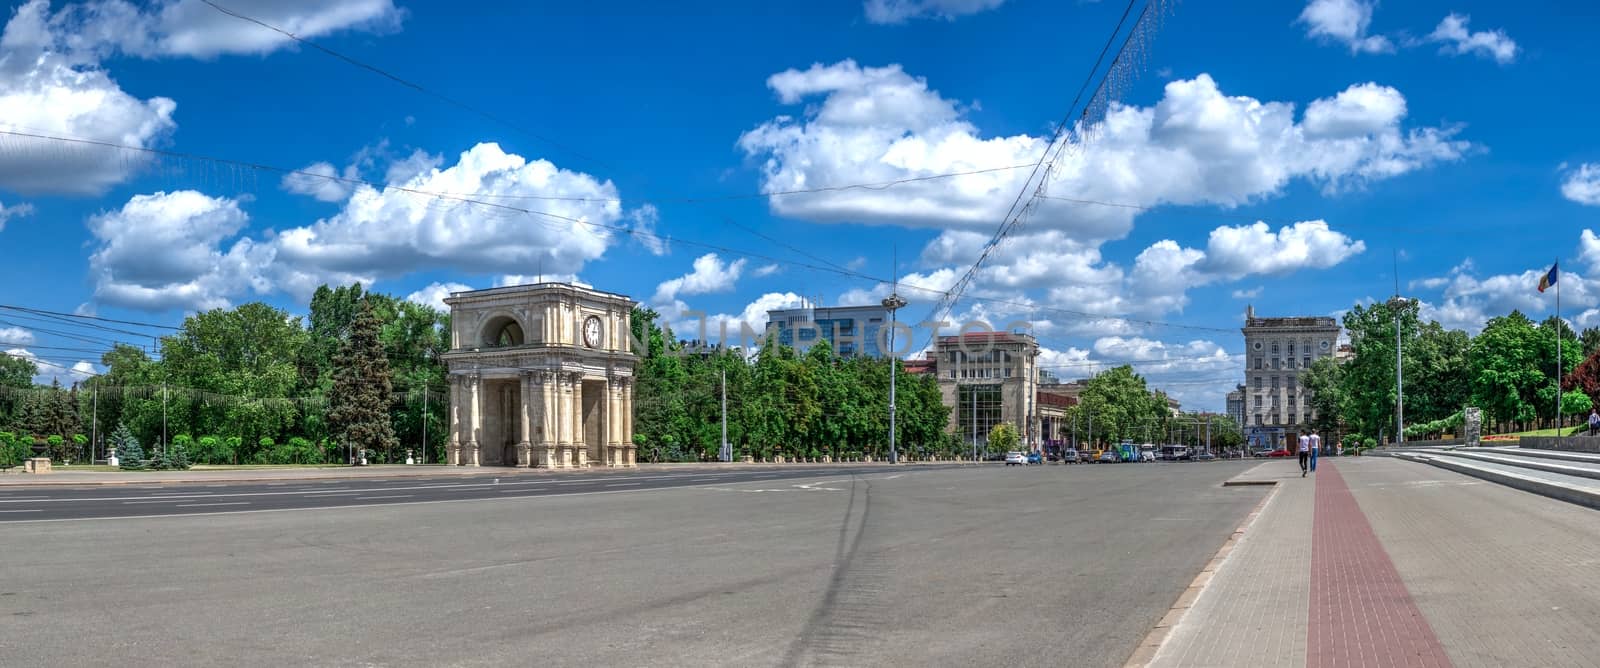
x=1454, y=134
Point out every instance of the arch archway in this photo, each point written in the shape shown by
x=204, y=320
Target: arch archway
x=502, y=331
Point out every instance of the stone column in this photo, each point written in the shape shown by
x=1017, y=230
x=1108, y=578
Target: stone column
x=546, y=436
x=563, y=405
x=525, y=413
x=580, y=438
x=475, y=425
x=628, y=448
x=613, y=425
x=452, y=447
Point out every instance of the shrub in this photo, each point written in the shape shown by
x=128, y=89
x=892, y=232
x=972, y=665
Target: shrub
x=211, y=450
x=12, y=450
x=58, y=448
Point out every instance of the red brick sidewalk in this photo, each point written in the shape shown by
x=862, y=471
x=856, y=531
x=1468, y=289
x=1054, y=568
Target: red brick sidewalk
x=1361, y=611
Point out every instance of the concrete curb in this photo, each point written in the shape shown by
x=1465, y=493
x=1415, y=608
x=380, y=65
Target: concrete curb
x=1152, y=642
x=1589, y=498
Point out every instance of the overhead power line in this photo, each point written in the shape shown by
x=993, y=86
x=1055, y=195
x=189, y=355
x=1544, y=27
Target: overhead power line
x=78, y=316
x=1023, y=204
x=408, y=84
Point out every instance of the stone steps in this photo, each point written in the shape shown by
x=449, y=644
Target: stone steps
x=1574, y=483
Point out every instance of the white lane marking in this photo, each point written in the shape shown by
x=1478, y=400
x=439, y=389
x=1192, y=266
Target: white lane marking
x=130, y=503
x=35, y=510
x=201, y=505
x=390, y=496
x=623, y=484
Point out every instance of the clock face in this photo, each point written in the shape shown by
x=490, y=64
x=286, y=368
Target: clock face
x=1325, y=345
x=591, y=332
x=1258, y=345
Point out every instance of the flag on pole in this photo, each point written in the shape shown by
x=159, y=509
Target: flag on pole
x=1550, y=278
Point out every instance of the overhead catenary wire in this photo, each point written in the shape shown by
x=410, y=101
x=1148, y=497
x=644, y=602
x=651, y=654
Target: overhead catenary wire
x=1019, y=208
x=842, y=271
x=949, y=296
x=81, y=316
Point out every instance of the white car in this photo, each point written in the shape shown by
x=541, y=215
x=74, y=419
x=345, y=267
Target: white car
x=1015, y=457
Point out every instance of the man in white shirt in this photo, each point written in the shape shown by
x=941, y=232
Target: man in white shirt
x=1305, y=452
x=1316, y=446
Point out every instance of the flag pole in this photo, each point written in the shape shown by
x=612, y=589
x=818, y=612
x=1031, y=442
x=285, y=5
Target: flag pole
x=1556, y=268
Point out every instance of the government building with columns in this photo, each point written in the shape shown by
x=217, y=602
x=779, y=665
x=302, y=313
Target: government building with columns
x=540, y=376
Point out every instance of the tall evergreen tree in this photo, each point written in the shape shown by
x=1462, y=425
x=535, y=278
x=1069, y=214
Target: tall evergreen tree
x=358, y=412
x=129, y=455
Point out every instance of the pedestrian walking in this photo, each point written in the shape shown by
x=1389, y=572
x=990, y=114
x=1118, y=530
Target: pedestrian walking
x=1305, y=453
x=1594, y=422
x=1316, y=446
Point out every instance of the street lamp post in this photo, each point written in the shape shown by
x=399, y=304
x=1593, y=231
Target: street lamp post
x=893, y=302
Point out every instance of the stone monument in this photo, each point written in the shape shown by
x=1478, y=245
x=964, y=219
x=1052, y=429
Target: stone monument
x=540, y=376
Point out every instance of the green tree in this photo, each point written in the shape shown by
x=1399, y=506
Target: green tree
x=1324, y=384
x=358, y=414
x=1003, y=437
x=1505, y=369
x=237, y=368
x=1590, y=340
x=16, y=377
x=1121, y=406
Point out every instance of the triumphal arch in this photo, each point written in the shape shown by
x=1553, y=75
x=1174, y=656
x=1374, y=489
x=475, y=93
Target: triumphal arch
x=540, y=375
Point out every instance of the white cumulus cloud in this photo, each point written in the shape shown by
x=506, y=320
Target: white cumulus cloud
x=323, y=181
x=1455, y=39
x=391, y=232
x=1346, y=22
x=433, y=295
x=15, y=336
x=1582, y=184
x=13, y=211
x=900, y=11
x=710, y=274
x=164, y=251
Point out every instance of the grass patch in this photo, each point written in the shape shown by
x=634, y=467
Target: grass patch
x=1570, y=431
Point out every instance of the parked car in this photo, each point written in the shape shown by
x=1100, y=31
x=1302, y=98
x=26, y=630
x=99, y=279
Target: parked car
x=1205, y=457
x=1261, y=454
x=1147, y=455
x=1070, y=457
x=1035, y=458
x=1014, y=458
x=1108, y=456
x=1278, y=453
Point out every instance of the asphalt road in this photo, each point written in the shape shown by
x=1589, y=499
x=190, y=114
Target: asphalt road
x=917, y=566
x=110, y=501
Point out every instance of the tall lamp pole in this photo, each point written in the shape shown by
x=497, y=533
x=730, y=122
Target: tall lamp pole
x=893, y=302
x=1399, y=392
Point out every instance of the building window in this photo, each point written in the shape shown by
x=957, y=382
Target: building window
x=952, y=374
x=1291, y=349
x=1274, y=347
x=1258, y=382
x=1305, y=362
x=1258, y=364
x=1258, y=401
x=1008, y=372
x=1274, y=382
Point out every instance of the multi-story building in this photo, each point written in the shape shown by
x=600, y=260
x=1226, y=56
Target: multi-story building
x=851, y=330
x=989, y=378
x=1277, y=351
x=1236, y=406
